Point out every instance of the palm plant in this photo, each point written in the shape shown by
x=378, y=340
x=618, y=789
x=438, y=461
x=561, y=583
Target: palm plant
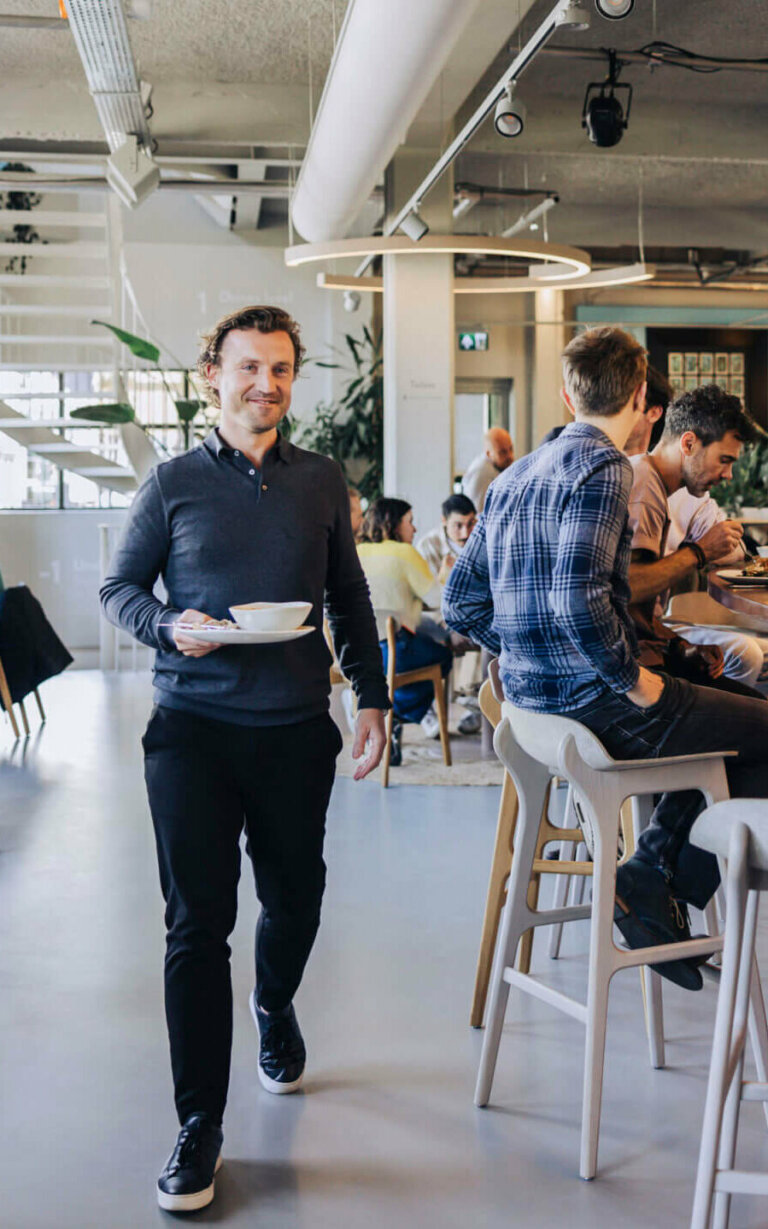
x=187, y=408
x=351, y=429
x=749, y=486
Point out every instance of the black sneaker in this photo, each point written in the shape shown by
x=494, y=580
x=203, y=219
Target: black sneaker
x=647, y=915
x=186, y=1183
x=282, y=1054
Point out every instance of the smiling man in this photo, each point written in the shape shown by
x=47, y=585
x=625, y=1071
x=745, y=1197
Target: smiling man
x=240, y=736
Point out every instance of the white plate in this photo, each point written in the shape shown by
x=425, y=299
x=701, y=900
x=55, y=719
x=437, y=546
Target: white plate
x=238, y=635
x=736, y=577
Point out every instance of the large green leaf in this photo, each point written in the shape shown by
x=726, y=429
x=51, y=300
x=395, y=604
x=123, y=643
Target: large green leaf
x=110, y=414
x=137, y=345
x=187, y=409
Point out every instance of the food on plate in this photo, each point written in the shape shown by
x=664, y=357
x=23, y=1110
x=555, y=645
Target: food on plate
x=755, y=567
x=206, y=623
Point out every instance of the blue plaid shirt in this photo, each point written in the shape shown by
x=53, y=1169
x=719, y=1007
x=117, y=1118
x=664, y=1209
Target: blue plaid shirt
x=542, y=582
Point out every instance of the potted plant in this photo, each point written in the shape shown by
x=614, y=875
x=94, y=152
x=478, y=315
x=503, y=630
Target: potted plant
x=747, y=492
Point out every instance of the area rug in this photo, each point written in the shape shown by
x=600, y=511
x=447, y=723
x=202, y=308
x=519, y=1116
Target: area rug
x=423, y=760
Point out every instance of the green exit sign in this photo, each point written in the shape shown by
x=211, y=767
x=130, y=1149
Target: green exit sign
x=473, y=341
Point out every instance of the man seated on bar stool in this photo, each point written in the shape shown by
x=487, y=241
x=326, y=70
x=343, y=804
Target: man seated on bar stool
x=702, y=437
x=543, y=584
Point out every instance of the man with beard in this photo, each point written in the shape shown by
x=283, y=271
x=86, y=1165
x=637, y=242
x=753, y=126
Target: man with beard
x=240, y=736
x=703, y=435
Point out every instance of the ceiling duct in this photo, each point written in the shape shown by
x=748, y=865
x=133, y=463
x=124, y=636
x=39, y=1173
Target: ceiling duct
x=100, y=31
x=390, y=55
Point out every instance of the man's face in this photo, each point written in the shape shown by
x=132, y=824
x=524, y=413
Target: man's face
x=458, y=527
x=703, y=466
x=254, y=379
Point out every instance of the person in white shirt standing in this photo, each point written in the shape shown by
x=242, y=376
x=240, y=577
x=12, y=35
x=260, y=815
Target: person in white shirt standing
x=498, y=455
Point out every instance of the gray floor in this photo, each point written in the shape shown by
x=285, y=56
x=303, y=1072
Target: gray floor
x=385, y=1133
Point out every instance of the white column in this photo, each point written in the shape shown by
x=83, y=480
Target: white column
x=419, y=352
x=550, y=339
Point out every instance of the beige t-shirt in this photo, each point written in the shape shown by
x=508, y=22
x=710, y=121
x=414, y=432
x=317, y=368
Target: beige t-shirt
x=649, y=521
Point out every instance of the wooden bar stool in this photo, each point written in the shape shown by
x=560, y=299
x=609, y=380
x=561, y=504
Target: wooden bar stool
x=432, y=674
x=737, y=831
x=533, y=747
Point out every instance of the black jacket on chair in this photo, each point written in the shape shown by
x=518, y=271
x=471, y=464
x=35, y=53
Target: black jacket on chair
x=30, y=650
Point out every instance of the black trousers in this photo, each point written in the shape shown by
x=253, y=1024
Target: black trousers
x=207, y=780
x=725, y=716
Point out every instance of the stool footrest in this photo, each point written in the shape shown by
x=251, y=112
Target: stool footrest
x=752, y=1090
x=555, y=998
x=548, y=917
x=742, y=1182
x=668, y=951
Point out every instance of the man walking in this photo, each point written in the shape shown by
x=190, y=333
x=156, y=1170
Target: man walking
x=542, y=582
x=240, y=736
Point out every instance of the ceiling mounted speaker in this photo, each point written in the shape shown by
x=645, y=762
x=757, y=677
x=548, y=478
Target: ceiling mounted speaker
x=614, y=10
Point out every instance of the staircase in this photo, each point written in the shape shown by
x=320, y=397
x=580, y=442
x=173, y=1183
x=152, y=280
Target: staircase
x=72, y=276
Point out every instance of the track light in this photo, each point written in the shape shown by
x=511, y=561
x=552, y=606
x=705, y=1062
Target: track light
x=572, y=17
x=414, y=226
x=509, y=116
x=132, y=173
x=614, y=10
x=602, y=115
x=351, y=300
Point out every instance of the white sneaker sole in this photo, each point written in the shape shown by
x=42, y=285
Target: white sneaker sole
x=270, y=1085
x=188, y=1203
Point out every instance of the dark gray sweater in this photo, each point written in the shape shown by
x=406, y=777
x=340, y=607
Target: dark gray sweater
x=220, y=533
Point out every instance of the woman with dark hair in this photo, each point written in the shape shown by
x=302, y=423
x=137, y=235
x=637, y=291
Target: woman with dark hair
x=401, y=582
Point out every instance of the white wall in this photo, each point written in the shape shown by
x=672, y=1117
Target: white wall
x=57, y=555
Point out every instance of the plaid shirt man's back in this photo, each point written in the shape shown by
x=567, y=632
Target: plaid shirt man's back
x=543, y=579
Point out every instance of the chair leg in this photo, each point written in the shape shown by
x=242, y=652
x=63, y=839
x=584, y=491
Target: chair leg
x=600, y=972
x=533, y=800
x=502, y=857
x=24, y=720
x=40, y=708
x=641, y=809
x=442, y=718
x=526, y=943
x=5, y=696
x=721, y=1044
x=560, y=890
x=727, y=1151
x=387, y=749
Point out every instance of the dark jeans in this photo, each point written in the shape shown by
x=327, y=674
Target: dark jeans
x=721, y=717
x=411, y=652
x=207, y=780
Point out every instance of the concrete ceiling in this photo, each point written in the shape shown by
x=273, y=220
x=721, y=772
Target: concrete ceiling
x=236, y=76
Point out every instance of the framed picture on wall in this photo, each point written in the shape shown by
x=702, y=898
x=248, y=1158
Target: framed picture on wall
x=737, y=386
x=691, y=364
x=676, y=384
x=737, y=363
x=675, y=363
x=691, y=382
x=706, y=363
x=722, y=364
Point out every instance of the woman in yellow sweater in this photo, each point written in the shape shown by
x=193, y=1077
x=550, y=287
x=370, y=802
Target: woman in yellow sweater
x=401, y=582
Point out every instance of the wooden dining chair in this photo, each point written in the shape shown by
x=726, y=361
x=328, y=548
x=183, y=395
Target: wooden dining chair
x=432, y=674
x=5, y=696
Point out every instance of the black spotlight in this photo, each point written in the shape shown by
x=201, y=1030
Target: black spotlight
x=603, y=115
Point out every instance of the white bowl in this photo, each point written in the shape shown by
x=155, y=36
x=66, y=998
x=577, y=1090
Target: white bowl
x=270, y=616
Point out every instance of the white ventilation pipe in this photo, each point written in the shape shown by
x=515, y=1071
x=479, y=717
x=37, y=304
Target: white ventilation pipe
x=387, y=58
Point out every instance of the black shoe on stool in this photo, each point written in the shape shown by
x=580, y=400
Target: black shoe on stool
x=647, y=914
x=186, y=1183
x=282, y=1054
